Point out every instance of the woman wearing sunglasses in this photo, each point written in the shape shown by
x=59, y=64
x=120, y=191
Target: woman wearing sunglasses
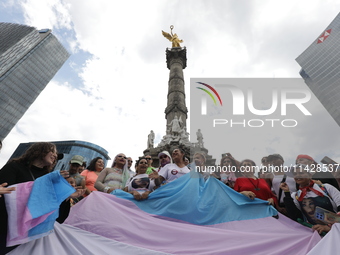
x=140, y=185
x=114, y=177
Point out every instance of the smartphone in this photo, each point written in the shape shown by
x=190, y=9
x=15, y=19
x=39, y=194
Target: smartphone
x=326, y=216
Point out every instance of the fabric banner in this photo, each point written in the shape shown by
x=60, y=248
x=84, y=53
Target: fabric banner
x=192, y=199
x=122, y=221
x=329, y=244
x=191, y=216
x=121, y=225
x=34, y=206
x=70, y=240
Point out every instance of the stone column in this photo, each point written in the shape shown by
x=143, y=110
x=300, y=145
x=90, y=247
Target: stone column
x=176, y=59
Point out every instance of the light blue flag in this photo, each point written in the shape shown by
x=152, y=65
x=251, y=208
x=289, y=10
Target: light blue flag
x=194, y=200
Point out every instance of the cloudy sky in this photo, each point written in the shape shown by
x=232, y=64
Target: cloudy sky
x=112, y=90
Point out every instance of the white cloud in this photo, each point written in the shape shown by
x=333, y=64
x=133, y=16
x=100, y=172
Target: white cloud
x=46, y=14
x=125, y=79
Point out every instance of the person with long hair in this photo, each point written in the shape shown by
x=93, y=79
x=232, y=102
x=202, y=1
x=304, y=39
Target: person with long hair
x=34, y=163
x=140, y=185
x=251, y=186
x=91, y=174
x=171, y=172
x=114, y=177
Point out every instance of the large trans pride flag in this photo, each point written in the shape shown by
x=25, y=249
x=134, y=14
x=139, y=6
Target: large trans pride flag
x=187, y=216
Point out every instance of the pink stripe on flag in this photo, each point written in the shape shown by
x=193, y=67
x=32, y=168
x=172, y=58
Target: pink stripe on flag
x=123, y=221
x=16, y=205
x=19, y=217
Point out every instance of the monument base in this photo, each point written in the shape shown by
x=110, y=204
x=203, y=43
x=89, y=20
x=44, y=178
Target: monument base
x=190, y=150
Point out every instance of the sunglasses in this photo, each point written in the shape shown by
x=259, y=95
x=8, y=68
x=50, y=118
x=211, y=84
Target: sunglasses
x=121, y=156
x=130, y=161
x=148, y=158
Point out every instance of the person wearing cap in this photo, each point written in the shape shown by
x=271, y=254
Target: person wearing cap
x=164, y=159
x=323, y=176
x=305, y=160
x=75, y=163
x=171, y=172
x=302, y=203
x=276, y=162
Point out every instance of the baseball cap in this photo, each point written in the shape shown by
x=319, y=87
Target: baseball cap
x=305, y=156
x=164, y=153
x=77, y=159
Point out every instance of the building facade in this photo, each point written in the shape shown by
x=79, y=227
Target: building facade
x=70, y=148
x=29, y=59
x=320, y=68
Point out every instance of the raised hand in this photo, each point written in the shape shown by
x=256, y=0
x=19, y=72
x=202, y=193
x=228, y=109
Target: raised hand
x=284, y=187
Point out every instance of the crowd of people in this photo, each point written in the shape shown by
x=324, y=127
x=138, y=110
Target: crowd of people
x=295, y=193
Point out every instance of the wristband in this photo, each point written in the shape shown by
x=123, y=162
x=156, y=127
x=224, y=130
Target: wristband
x=106, y=189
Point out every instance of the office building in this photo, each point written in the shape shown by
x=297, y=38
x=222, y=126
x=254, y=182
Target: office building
x=70, y=148
x=320, y=64
x=29, y=59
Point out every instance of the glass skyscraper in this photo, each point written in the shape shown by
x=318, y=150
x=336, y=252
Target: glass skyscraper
x=320, y=64
x=70, y=148
x=29, y=59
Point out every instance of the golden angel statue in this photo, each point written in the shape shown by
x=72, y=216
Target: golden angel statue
x=172, y=38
